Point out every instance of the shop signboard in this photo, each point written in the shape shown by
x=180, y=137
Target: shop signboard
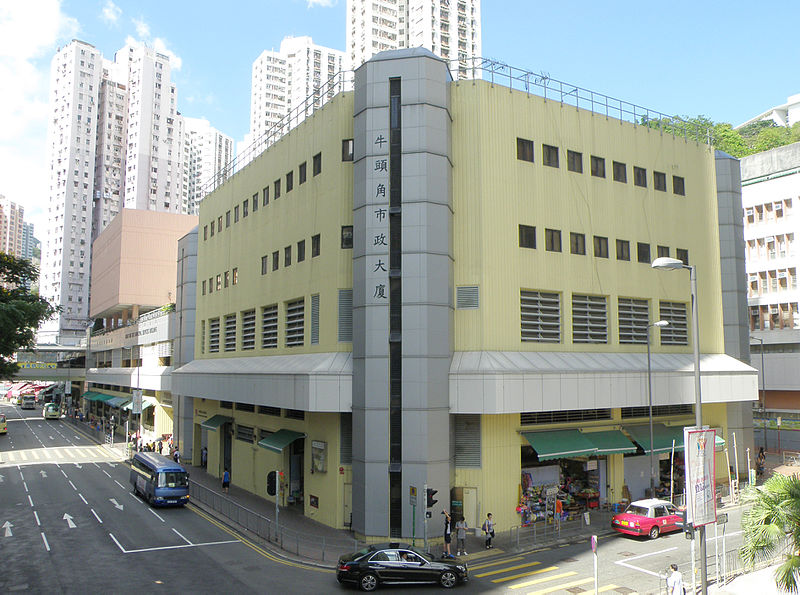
x=701, y=502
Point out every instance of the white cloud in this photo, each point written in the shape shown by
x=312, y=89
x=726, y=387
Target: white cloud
x=322, y=3
x=29, y=34
x=158, y=43
x=111, y=13
x=142, y=29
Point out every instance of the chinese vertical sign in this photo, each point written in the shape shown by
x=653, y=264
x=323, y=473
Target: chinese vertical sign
x=377, y=228
x=701, y=502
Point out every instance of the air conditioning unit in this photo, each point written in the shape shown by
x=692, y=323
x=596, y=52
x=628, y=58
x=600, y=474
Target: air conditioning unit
x=773, y=309
x=769, y=239
x=778, y=206
x=749, y=212
x=781, y=274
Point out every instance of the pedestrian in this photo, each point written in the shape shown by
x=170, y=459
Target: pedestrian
x=160, y=446
x=461, y=536
x=760, y=460
x=675, y=581
x=177, y=456
x=447, y=536
x=488, y=530
x=203, y=457
x=226, y=480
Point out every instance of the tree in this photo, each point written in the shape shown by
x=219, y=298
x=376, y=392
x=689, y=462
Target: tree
x=772, y=517
x=21, y=311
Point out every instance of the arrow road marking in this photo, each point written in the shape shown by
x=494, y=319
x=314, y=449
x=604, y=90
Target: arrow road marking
x=78, y=465
x=51, y=438
x=115, y=503
x=43, y=473
x=7, y=526
x=68, y=518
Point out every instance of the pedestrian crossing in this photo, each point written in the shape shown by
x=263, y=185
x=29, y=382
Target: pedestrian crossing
x=533, y=578
x=59, y=454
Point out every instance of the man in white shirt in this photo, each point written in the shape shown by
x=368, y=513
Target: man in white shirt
x=675, y=581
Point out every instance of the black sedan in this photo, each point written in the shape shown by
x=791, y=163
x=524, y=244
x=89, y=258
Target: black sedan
x=394, y=563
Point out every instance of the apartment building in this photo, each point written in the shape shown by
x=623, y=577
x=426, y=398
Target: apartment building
x=207, y=160
x=12, y=229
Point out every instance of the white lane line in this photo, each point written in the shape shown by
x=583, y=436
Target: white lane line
x=106, y=472
x=38, y=524
x=84, y=499
x=119, y=545
x=650, y=572
x=181, y=536
x=709, y=538
x=97, y=517
x=65, y=475
x=158, y=517
x=120, y=485
x=25, y=485
x=178, y=547
x=46, y=545
x=30, y=500
x=134, y=496
x=96, y=465
x=73, y=486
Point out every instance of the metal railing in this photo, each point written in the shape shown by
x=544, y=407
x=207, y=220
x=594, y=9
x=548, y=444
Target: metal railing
x=314, y=547
x=546, y=531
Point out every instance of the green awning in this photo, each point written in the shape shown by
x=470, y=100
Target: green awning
x=279, y=440
x=662, y=437
x=215, y=421
x=118, y=401
x=90, y=395
x=146, y=402
x=560, y=444
x=95, y=396
x=610, y=442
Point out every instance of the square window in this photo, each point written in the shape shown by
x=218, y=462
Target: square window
x=643, y=252
x=265, y=197
x=598, y=167
x=640, y=177
x=677, y=186
x=600, y=247
x=347, y=149
x=245, y=208
x=316, y=164
x=301, y=173
x=277, y=189
x=524, y=149
x=577, y=243
x=527, y=236
x=550, y=155
x=620, y=172
x=682, y=255
x=623, y=250
x=275, y=261
x=552, y=240
x=301, y=251
x=660, y=181
x=575, y=161
x=315, y=245
x=289, y=181
x=264, y=265
x=347, y=236
x=255, y=202
x=663, y=251
x=236, y=214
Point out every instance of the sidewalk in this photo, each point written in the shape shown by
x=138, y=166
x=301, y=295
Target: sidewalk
x=761, y=582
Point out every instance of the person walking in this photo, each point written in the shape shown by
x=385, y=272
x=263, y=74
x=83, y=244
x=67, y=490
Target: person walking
x=461, y=536
x=226, y=480
x=177, y=456
x=760, y=461
x=675, y=581
x=447, y=535
x=488, y=530
x=203, y=457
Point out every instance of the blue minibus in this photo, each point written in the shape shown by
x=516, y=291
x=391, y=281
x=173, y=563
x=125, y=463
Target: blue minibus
x=160, y=480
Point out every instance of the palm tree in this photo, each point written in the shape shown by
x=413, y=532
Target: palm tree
x=771, y=526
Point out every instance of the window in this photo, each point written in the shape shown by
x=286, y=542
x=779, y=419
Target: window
x=277, y=189
x=660, y=181
x=212, y=229
x=226, y=278
x=211, y=285
x=527, y=236
x=524, y=150
x=623, y=250
x=219, y=223
x=287, y=256
x=205, y=232
x=682, y=255
x=540, y=314
x=643, y=252
x=245, y=208
x=589, y=319
x=295, y=414
x=230, y=332
x=677, y=332
x=265, y=196
x=550, y=155
x=577, y=243
x=634, y=316
x=275, y=262
x=266, y=410
x=236, y=214
x=316, y=164
x=301, y=251
x=295, y=323
x=264, y=264
x=677, y=186
x=255, y=202
x=314, y=339
x=228, y=217
x=662, y=251
x=202, y=340
x=315, y=245
x=289, y=181
x=467, y=440
x=219, y=282
x=620, y=172
x=301, y=173
x=598, y=167
x=575, y=161
x=249, y=330
x=213, y=335
x=345, y=330
x=347, y=149
x=204, y=286
x=639, y=176
x=244, y=433
x=269, y=327
x=235, y=275
x=552, y=240
x=600, y=247
x=347, y=236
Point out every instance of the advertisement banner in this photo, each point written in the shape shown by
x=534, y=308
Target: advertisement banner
x=136, y=407
x=701, y=502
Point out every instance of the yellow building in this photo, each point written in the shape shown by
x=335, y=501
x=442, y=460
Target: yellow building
x=448, y=285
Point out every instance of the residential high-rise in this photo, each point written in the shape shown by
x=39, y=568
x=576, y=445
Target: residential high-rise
x=29, y=244
x=207, y=156
x=12, y=227
x=450, y=29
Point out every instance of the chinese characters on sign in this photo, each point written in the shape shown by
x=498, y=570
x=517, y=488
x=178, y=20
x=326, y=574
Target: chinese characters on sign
x=701, y=502
x=377, y=228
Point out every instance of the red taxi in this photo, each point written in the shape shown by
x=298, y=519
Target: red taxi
x=648, y=517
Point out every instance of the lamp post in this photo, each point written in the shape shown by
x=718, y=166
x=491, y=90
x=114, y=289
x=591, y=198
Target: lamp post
x=660, y=323
x=763, y=390
x=671, y=264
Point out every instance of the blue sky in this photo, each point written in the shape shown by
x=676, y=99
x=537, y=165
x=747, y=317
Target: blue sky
x=684, y=58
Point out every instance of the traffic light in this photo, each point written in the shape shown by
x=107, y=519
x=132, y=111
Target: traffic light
x=688, y=528
x=429, y=494
x=271, y=476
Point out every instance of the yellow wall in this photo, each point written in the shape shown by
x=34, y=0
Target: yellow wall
x=494, y=192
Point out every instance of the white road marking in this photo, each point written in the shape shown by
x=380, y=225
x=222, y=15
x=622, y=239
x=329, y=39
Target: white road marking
x=106, y=472
x=120, y=485
x=97, y=517
x=38, y=524
x=181, y=536
x=84, y=499
x=7, y=526
x=116, y=504
x=30, y=500
x=73, y=486
x=168, y=547
x=68, y=518
x=65, y=475
x=158, y=517
x=25, y=485
x=650, y=572
x=46, y=545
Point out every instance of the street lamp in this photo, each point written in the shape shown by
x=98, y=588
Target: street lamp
x=660, y=324
x=671, y=264
x=763, y=390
